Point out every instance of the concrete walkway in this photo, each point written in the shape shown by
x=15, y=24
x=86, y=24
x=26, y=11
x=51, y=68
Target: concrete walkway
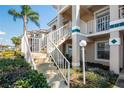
x=120, y=80
x=53, y=75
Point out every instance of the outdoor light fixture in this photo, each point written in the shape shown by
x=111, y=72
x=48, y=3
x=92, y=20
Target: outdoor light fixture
x=83, y=43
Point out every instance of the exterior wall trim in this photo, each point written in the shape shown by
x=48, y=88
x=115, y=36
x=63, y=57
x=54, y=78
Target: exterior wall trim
x=100, y=10
x=75, y=29
x=63, y=9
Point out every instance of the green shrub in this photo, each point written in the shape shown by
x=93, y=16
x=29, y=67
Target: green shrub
x=10, y=65
x=109, y=75
x=103, y=83
x=95, y=78
x=29, y=79
x=17, y=73
x=36, y=80
x=22, y=84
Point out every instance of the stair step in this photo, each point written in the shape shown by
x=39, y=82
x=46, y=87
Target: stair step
x=53, y=75
x=39, y=55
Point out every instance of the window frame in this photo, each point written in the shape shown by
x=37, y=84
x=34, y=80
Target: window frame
x=98, y=13
x=96, y=56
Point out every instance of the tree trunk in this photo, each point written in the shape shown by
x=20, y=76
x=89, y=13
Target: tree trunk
x=25, y=24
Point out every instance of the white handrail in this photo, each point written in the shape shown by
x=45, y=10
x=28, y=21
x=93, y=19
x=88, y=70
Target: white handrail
x=98, y=24
x=61, y=62
x=56, y=37
x=52, y=41
x=27, y=51
x=60, y=35
x=59, y=51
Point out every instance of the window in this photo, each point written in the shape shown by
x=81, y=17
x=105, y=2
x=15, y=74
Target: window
x=102, y=50
x=54, y=27
x=102, y=20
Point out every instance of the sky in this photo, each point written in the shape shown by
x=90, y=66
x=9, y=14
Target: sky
x=10, y=28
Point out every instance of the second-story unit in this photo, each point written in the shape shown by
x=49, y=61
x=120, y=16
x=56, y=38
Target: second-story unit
x=93, y=18
x=100, y=25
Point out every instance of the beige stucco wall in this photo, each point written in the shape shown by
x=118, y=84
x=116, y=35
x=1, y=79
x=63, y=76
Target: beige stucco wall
x=83, y=26
x=90, y=51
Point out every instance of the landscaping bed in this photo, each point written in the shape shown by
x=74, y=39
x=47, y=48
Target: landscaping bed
x=17, y=73
x=10, y=54
x=97, y=76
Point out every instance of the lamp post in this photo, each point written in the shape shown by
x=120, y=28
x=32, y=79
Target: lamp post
x=83, y=43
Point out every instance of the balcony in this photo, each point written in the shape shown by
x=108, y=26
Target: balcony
x=96, y=25
x=118, y=24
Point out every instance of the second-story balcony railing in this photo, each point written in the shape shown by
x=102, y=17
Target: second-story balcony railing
x=99, y=24
x=102, y=23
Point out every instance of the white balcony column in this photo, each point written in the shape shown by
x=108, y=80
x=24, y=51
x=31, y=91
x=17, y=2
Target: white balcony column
x=75, y=33
x=59, y=19
x=114, y=12
x=114, y=48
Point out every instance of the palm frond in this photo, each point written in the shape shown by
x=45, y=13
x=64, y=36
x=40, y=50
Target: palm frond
x=25, y=9
x=35, y=19
x=15, y=14
x=31, y=13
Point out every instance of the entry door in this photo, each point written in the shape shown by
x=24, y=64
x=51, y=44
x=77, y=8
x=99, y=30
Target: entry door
x=69, y=50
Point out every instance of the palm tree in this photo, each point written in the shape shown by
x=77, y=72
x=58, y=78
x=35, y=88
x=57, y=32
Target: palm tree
x=16, y=41
x=25, y=14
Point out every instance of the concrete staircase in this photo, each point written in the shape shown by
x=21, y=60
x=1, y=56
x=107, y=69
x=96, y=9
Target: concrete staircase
x=40, y=58
x=47, y=67
x=49, y=46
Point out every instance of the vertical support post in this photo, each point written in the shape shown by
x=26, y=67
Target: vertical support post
x=59, y=18
x=114, y=49
x=75, y=32
x=115, y=53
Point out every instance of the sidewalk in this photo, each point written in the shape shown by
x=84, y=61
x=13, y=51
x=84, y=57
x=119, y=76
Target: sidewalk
x=120, y=80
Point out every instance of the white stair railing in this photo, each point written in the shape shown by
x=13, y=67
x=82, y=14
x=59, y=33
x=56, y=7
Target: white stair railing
x=52, y=41
x=57, y=37
x=61, y=34
x=60, y=61
x=25, y=49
